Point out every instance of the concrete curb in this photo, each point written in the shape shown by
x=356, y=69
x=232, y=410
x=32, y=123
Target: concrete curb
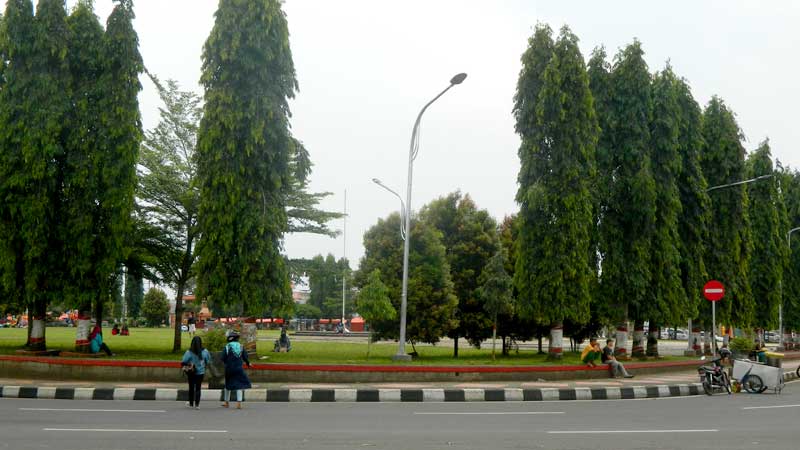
x=368, y=395
x=361, y=395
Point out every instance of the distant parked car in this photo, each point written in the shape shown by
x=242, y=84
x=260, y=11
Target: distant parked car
x=682, y=335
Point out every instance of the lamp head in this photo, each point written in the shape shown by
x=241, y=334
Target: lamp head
x=376, y=181
x=458, y=79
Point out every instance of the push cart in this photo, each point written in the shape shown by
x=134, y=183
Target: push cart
x=756, y=377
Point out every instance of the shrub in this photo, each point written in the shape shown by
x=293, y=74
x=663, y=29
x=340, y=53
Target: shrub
x=214, y=340
x=742, y=344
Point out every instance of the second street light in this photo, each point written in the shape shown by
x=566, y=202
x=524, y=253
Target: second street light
x=405, y=226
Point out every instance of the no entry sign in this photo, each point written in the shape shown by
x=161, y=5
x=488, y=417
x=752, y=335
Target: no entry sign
x=713, y=291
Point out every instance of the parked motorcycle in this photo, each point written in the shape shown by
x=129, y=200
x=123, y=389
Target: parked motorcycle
x=714, y=377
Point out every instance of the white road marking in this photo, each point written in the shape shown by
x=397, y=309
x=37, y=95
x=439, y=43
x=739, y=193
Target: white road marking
x=96, y=410
x=523, y=413
x=122, y=430
x=770, y=407
x=632, y=431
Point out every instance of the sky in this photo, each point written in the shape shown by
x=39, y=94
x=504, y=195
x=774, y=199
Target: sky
x=366, y=67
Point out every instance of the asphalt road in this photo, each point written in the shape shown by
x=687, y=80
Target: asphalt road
x=742, y=421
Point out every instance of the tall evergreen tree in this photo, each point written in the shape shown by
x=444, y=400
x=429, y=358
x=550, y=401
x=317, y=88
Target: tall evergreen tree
x=790, y=186
x=431, y=304
x=730, y=243
x=36, y=99
x=670, y=303
x=628, y=218
x=553, y=273
x=695, y=204
x=244, y=150
x=469, y=238
x=769, y=238
x=495, y=289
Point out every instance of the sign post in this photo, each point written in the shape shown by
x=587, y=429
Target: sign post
x=714, y=291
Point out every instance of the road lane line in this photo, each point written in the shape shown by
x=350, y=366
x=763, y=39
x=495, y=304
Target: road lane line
x=632, y=431
x=123, y=430
x=96, y=410
x=770, y=407
x=523, y=413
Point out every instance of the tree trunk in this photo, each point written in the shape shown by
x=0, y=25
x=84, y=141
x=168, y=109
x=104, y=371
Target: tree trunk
x=695, y=339
x=249, y=337
x=556, y=351
x=652, y=340
x=82, y=328
x=707, y=343
x=455, y=347
x=638, y=339
x=176, y=340
x=369, y=342
x=621, y=345
x=541, y=352
x=494, y=336
x=36, y=326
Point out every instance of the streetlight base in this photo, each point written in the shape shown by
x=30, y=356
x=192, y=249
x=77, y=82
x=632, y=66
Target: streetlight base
x=401, y=357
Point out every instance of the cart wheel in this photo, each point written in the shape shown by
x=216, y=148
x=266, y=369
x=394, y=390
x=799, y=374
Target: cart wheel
x=707, y=388
x=754, y=384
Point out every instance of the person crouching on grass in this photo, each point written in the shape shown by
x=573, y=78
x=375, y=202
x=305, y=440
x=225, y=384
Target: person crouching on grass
x=591, y=353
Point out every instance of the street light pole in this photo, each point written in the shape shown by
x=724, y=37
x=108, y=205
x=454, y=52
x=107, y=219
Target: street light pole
x=713, y=188
x=412, y=155
x=782, y=344
x=721, y=186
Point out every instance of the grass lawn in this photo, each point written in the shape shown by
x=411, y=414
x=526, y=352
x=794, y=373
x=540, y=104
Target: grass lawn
x=156, y=344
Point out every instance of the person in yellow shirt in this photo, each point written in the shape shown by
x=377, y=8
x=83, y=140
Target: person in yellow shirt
x=591, y=353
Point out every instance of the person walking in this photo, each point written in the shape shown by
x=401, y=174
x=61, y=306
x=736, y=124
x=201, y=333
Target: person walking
x=614, y=366
x=234, y=355
x=194, y=365
x=191, y=323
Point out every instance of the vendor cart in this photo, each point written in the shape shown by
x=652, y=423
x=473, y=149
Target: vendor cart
x=756, y=377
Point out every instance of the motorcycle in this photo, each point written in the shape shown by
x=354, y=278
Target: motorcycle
x=714, y=377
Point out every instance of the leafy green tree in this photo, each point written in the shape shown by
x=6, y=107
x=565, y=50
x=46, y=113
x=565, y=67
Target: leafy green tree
x=769, y=238
x=307, y=311
x=102, y=150
x=155, y=306
x=167, y=194
x=244, y=153
x=373, y=303
x=695, y=216
x=730, y=243
x=790, y=186
x=134, y=293
x=628, y=217
x=554, y=273
x=35, y=99
x=469, y=238
x=666, y=290
x=495, y=289
x=431, y=304
x=511, y=324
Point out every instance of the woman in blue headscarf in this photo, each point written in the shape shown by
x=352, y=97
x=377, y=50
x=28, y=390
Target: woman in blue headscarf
x=235, y=379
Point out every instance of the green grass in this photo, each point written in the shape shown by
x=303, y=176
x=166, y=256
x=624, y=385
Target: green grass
x=156, y=344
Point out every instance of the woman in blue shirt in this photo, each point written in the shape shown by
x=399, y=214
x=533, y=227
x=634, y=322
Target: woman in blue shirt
x=194, y=363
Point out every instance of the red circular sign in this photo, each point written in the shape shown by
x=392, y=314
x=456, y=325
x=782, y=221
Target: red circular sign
x=714, y=290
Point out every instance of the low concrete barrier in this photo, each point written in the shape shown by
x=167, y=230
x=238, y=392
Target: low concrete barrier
x=169, y=371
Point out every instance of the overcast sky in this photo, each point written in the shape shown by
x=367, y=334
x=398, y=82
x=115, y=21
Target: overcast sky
x=366, y=67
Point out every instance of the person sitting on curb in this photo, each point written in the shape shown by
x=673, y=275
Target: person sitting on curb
x=614, y=366
x=591, y=353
